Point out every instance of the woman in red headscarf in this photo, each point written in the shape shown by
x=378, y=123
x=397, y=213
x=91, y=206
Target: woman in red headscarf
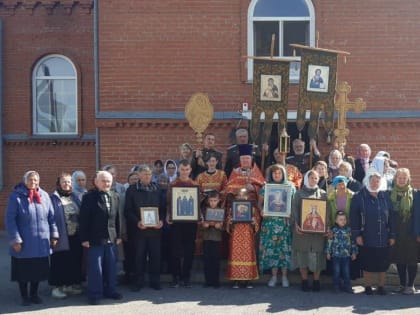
x=32, y=232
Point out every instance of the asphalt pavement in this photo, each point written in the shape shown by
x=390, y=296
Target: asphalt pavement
x=225, y=300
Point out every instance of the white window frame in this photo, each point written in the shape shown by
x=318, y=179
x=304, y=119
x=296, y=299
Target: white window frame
x=34, y=95
x=280, y=19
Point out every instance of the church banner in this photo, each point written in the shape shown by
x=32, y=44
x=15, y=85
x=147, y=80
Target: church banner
x=318, y=76
x=270, y=95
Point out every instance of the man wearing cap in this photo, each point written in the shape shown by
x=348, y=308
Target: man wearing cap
x=200, y=157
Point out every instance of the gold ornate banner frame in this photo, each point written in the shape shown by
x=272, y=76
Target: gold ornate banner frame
x=270, y=95
x=318, y=76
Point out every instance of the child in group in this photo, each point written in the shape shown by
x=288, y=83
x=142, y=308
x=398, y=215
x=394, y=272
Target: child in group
x=341, y=249
x=212, y=237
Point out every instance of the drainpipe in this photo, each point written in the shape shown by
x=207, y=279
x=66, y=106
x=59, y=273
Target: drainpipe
x=1, y=109
x=96, y=76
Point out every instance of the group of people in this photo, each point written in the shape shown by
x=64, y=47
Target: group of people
x=370, y=218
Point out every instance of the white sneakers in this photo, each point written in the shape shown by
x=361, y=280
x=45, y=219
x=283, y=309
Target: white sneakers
x=284, y=282
x=405, y=290
x=73, y=289
x=58, y=293
x=64, y=291
x=409, y=290
x=273, y=281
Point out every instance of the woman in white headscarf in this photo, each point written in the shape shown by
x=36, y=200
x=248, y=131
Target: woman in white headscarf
x=308, y=248
x=334, y=160
x=78, y=181
x=171, y=170
x=381, y=165
x=373, y=228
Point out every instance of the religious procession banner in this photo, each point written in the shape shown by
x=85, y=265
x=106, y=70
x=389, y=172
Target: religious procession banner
x=270, y=95
x=318, y=76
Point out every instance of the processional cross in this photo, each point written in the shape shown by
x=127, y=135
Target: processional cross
x=342, y=106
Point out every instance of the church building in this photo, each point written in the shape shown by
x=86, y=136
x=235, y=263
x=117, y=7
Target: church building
x=92, y=82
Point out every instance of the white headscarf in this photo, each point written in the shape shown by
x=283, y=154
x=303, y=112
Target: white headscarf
x=173, y=177
x=383, y=154
x=306, y=179
x=330, y=163
x=378, y=163
x=366, y=181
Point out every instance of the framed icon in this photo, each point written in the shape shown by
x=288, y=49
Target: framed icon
x=313, y=215
x=270, y=87
x=149, y=216
x=185, y=203
x=241, y=211
x=215, y=214
x=318, y=78
x=277, y=200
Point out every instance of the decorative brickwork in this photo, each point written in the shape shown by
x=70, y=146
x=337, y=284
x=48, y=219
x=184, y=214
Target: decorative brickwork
x=10, y=7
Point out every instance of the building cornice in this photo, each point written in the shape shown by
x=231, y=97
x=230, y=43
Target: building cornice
x=11, y=7
x=156, y=124
x=53, y=141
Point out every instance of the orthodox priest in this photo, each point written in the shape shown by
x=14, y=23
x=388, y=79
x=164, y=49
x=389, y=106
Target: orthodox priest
x=245, y=181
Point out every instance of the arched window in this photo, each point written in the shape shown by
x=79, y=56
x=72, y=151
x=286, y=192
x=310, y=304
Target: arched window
x=54, y=90
x=292, y=21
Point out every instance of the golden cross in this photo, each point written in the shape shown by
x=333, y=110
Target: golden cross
x=342, y=106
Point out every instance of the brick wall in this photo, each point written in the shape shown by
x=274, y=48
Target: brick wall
x=29, y=33
x=132, y=143
x=383, y=40
x=155, y=54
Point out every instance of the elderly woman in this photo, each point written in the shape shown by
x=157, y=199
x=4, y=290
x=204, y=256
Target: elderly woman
x=308, y=248
x=345, y=169
x=275, y=236
x=66, y=261
x=372, y=225
x=32, y=232
x=381, y=165
x=405, y=202
x=293, y=173
x=334, y=160
x=78, y=179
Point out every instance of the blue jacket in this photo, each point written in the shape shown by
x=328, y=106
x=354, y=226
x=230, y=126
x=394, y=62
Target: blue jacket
x=60, y=220
x=372, y=218
x=31, y=224
x=341, y=244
